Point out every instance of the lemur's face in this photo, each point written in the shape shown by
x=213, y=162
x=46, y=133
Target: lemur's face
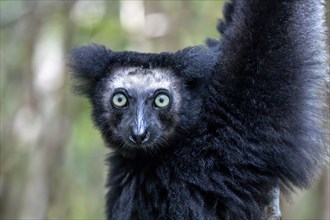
x=141, y=107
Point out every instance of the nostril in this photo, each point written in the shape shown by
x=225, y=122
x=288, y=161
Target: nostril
x=131, y=137
x=139, y=138
x=146, y=137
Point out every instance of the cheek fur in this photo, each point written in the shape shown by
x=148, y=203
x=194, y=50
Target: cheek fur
x=115, y=119
x=119, y=124
x=169, y=122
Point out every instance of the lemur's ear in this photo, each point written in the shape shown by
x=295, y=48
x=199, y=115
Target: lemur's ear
x=87, y=65
x=197, y=65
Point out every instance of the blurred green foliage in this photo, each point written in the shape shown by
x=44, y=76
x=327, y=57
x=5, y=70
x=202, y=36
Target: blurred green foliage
x=52, y=158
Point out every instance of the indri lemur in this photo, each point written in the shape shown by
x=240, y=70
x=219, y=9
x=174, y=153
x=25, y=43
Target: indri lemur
x=209, y=131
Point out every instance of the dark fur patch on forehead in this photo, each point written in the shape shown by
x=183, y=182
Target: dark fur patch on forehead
x=139, y=71
x=140, y=78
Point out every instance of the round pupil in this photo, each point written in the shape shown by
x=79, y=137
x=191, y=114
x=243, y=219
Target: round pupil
x=119, y=100
x=162, y=101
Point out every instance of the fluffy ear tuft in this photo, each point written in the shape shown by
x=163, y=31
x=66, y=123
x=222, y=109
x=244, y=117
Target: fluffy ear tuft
x=198, y=64
x=87, y=65
x=198, y=61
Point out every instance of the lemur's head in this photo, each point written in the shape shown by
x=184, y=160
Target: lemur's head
x=142, y=106
x=143, y=102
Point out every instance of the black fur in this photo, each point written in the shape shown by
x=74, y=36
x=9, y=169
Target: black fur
x=256, y=123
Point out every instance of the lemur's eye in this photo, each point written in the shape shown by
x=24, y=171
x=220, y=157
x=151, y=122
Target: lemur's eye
x=119, y=100
x=162, y=101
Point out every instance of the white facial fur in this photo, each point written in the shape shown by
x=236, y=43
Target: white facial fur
x=143, y=80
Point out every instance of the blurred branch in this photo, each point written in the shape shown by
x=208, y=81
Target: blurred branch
x=44, y=169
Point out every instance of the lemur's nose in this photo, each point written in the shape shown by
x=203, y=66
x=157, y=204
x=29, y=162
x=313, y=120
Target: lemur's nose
x=139, y=137
x=139, y=126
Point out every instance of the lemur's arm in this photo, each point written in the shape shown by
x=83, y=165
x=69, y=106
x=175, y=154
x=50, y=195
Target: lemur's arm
x=270, y=82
